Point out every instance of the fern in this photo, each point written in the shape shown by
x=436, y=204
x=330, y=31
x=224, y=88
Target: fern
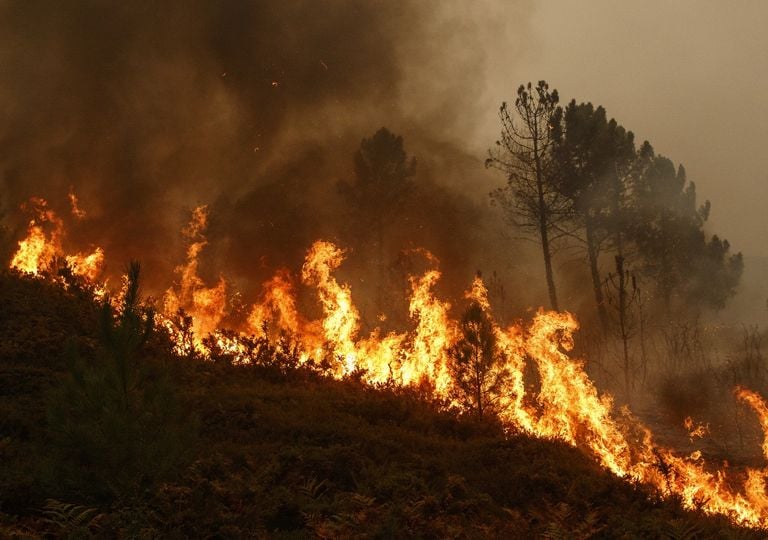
x=313, y=489
x=682, y=529
x=561, y=522
x=71, y=520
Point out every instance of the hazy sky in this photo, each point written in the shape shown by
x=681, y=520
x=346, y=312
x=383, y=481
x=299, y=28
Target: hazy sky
x=689, y=76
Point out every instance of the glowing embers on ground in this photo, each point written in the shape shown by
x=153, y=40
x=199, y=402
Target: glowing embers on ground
x=565, y=404
x=40, y=250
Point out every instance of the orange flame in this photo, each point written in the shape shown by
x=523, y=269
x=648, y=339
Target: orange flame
x=758, y=404
x=38, y=251
x=278, y=306
x=434, y=334
x=695, y=431
x=206, y=305
x=74, y=202
x=341, y=321
x=565, y=404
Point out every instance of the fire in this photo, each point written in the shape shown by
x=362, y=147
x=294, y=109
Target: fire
x=564, y=403
x=571, y=408
x=341, y=321
x=87, y=265
x=206, y=305
x=74, y=202
x=39, y=250
x=511, y=343
x=433, y=335
x=758, y=404
x=695, y=431
x=567, y=405
x=278, y=306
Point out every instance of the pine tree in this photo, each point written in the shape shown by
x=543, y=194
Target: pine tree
x=477, y=365
x=524, y=154
x=115, y=424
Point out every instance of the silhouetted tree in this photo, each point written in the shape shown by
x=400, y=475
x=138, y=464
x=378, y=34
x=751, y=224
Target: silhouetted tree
x=592, y=158
x=115, y=425
x=383, y=176
x=637, y=205
x=667, y=229
x=477, y=365
x=524, y=153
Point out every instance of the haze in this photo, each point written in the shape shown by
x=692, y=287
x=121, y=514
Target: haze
x=689, y=76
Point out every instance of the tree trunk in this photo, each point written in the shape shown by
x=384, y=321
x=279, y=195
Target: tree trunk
x=643, y=353
x=623, y=325
x=597, y=285
x=379, y=266
x=548, y=268
x=543, y=227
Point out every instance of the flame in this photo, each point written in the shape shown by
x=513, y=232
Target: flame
x=567, y=405
x=278, y=306
x=341, y=321
x=758, y=404
x=88, y=266
x=564, y=403
x=434, y=333
x=695, y=431
x=74, y=202
x=38, y=251
x=511, y=344
x=206, y=305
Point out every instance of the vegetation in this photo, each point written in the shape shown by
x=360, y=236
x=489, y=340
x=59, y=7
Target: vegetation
x=280, y=451
x=383, y=177
x=592, y=157
x=524, y=154
x=577, y=175
x=115, y=427
x=477, y=366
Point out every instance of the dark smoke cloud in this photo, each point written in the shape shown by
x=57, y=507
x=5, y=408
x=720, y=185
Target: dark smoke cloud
x=147, y=109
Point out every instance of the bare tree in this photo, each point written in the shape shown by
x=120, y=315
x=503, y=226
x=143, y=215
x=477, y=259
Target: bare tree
x=524, y=153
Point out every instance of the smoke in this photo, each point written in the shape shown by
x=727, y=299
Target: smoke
x=148, y=109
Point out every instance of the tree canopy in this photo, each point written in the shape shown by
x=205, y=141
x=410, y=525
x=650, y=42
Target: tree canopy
x=573, y=173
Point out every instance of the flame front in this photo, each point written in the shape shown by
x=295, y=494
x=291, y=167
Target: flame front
x=341, y=321
x=566, y=405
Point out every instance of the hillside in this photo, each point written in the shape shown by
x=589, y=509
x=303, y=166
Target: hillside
x=280, y=451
